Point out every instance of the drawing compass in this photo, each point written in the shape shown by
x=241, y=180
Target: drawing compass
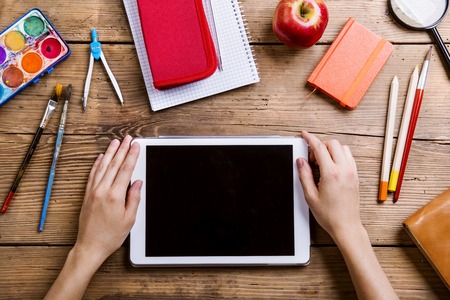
x=96, y=54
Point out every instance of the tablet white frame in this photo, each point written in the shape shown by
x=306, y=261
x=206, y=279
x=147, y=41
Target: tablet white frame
x=301, y=210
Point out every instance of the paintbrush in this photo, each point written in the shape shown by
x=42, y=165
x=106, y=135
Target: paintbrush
x=51, y=176
x=48, y=112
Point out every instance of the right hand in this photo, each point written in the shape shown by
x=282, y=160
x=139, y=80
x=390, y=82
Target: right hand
x=334, y=202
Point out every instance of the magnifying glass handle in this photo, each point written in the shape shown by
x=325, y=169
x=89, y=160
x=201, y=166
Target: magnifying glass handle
x=442, y=48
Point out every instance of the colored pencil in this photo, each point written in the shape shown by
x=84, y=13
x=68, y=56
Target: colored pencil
x=51, y=176
x=48, y=112
x=388, y=137
x=393, y=179
x=412, y=124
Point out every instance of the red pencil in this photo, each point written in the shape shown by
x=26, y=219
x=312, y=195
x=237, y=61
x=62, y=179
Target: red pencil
x=412, y=123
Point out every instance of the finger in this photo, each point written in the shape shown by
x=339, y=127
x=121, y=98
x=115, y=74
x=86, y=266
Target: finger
x=305, y=175
x=336, y=151
x=126, y=170
x=349, y=156
x=117, y=161
x=133, y=199
x=107, y=157
x=312, y=158
x=320, y=151
x=347, y=152
x=93, y=172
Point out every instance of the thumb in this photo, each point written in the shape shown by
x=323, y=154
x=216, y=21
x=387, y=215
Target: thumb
x=133, y=199
x=305, y=175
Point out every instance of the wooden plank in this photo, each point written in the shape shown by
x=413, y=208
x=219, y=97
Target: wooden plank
x=74, y=21
x=426, y=177
x=28, y=273
x=276, y=105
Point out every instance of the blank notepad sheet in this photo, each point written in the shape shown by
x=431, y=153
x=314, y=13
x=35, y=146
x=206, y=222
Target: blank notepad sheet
x=238, y=65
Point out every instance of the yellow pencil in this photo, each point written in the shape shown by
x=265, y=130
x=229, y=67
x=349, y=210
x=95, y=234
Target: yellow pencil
x=401, y=141
x=389, y=135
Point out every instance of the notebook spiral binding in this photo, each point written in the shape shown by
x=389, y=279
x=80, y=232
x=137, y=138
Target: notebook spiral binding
x=245, y=34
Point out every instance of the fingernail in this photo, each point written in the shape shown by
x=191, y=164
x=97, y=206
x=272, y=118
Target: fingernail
x=139, y=184
x=115, y=142
x=135, y=147
x=126, y=139
x=300, y=163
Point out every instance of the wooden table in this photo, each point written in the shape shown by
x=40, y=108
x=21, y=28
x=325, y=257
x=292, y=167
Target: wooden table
x=30, y=261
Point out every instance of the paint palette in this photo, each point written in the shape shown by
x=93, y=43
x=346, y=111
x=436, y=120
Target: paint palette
x=29, y=49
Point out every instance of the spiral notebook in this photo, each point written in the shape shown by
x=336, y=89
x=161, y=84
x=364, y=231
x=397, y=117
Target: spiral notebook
x=238, y=67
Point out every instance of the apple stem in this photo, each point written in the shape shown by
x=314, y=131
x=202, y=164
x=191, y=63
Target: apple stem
x=305, y=10
x=302, y=13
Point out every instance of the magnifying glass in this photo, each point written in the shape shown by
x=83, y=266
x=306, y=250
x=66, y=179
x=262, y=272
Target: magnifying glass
x=421, y=15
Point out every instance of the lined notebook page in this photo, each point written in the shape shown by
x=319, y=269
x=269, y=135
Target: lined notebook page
x=238, y=64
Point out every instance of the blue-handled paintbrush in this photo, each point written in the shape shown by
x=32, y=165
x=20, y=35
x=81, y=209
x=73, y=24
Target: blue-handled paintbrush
x=51, y=176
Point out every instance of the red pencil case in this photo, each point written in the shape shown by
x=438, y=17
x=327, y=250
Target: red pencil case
x=178, y=41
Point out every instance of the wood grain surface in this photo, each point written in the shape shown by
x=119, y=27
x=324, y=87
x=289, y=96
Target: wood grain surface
x=276, y=106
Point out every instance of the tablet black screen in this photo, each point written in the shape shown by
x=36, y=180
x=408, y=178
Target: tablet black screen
x=219, y=201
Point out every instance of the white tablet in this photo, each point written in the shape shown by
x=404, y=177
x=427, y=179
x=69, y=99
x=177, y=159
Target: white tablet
x=220, y=201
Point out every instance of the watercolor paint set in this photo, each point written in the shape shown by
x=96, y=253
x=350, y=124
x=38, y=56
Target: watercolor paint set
x=29, y=49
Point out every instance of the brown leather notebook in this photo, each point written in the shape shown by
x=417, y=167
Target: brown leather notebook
x=429, y=228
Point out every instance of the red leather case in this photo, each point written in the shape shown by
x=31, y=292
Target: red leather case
x=178, y=41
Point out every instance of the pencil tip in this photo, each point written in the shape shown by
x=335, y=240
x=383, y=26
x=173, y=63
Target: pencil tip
x=429, y=53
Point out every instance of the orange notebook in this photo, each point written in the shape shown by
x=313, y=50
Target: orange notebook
x=351, y=64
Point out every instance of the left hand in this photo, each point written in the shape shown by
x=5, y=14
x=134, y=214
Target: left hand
x=109, y=210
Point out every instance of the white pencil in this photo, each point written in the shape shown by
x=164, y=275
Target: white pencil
x=388, y=136
x=401, y=141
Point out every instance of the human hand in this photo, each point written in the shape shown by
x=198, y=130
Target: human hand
x=109, y=210
x=334, y=202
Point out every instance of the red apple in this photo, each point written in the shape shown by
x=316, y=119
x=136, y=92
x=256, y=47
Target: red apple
x=300, y=23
